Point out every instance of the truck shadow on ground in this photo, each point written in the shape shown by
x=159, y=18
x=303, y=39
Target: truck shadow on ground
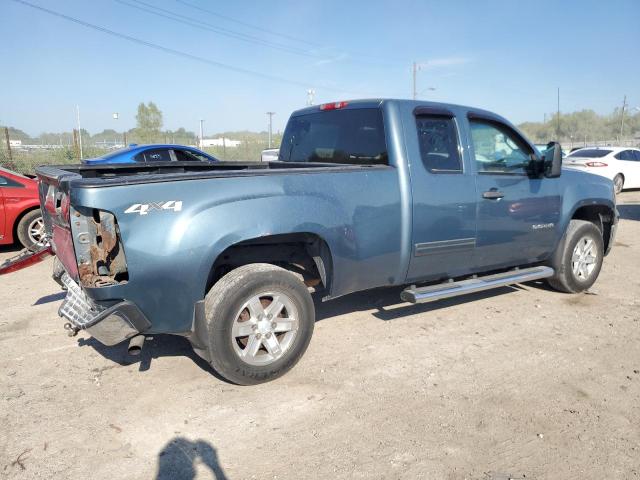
x=629, y=211
x=385, y=302
x=180, y=457
x=155, y=346
x=389, y=306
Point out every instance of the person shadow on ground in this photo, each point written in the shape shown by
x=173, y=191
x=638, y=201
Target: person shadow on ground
x=180, y=457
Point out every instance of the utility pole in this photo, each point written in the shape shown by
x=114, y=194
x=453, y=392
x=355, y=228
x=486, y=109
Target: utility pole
x=200, y=144
x=79, y=130
x=310, y=93
x=558, y=118
x=6, y=135
x=75, y=144
x=271, y=114
x=624, y=106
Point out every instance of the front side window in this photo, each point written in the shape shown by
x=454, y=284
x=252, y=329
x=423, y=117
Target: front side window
x=497, y=149
x=189, y=156
x=352, y=137
x=438, y=144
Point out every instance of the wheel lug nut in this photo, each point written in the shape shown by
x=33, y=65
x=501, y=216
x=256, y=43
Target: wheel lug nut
x=274, y=324
x=268, y=335
x=258, y=335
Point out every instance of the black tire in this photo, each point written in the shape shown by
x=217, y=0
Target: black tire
x=618, y=183
x=565, y=278
x=22, y=229
x=223, y=303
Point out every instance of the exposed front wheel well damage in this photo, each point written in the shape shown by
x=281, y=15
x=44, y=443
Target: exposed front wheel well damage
x=305, y=254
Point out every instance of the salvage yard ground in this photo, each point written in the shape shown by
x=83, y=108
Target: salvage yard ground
x=520, y=382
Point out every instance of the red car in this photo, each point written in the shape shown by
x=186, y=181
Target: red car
x=20, y=217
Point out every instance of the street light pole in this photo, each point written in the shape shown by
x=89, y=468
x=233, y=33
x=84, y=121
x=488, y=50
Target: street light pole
x=415, y=69
x=201, y=134
x=271, y=114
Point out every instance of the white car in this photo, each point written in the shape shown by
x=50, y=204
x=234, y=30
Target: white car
x=270, y=155
x=622, y=165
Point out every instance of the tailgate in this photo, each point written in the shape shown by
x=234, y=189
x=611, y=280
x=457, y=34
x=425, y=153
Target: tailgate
x=55, y=205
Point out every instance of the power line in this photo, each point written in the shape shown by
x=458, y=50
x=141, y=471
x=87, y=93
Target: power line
x=249, y=25
x=172, y=51
x=194, y=22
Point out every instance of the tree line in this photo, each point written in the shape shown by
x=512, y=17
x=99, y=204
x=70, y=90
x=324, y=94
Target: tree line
x=585, y=126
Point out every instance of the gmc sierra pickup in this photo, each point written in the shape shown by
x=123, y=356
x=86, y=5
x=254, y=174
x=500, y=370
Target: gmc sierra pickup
x=441, y=198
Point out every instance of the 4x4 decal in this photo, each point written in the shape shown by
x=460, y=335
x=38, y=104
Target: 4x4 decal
x=145, y=208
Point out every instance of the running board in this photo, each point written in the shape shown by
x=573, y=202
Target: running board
x=453, y=289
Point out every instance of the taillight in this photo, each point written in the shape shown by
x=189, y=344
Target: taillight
x=333, y=106
x=596, y=164
x=65, y=204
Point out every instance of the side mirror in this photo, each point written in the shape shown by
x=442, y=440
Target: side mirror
x=552, y=160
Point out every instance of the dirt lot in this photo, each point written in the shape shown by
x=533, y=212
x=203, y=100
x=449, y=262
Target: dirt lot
x=517, y=383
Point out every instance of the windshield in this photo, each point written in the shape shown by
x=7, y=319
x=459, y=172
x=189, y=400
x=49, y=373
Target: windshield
x=590, y=153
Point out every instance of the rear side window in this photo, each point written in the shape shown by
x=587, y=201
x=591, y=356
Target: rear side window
x=7, y=182
x=625, y=155
x=590, y=153
x=153, y=156
x=352, y=137
x=438, y=144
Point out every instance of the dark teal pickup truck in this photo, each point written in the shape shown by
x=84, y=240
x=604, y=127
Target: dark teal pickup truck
x=441, y=198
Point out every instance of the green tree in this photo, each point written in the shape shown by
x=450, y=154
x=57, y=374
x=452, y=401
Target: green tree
x=149, y=122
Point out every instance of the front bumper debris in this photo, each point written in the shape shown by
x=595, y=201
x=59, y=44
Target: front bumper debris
x=109, y=325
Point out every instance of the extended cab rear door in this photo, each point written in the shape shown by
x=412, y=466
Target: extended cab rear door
x=444, y=196
x=518, y=210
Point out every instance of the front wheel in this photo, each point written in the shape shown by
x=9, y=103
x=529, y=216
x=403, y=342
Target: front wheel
x=260, y=319
x=581, y=258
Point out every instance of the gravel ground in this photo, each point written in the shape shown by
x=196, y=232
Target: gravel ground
x=519, y=382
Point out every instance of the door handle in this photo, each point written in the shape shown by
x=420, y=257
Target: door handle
x=493, y=194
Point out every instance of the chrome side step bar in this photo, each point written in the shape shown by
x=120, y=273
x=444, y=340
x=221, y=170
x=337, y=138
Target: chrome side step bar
x=453, y=289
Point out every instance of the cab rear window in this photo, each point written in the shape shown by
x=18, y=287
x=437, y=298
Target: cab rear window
x=352, y=137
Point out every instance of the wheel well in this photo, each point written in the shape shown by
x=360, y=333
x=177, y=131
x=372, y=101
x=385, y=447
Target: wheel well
x=305, y=254
x=19, y=219
x=601, y=216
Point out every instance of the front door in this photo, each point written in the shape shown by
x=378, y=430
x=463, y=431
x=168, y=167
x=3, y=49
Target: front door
x=444, y=198
x=518, y=213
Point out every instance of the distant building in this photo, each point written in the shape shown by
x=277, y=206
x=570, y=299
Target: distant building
x=220, y=142
x=12, y=143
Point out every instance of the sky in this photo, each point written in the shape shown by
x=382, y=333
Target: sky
x=228, y=63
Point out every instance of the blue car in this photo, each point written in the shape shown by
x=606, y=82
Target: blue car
x=152, y=153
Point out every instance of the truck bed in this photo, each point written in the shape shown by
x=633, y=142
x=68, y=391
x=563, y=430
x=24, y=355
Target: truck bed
x=127, y=174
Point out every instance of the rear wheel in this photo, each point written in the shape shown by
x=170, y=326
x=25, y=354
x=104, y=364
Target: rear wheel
x=260, y=319
x=30, y=230
x=581, y=258
x=618, y=183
